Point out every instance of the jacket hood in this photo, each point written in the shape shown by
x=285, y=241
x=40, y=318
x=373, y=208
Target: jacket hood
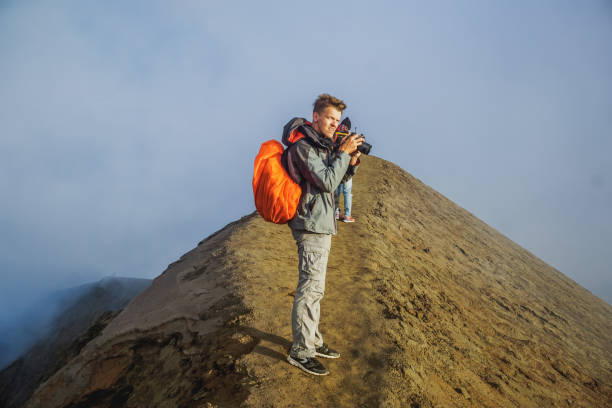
x=298, y=128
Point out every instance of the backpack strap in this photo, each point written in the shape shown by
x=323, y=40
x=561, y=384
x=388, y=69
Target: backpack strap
x=296, y=135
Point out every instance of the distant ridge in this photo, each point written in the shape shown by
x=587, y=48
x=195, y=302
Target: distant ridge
x=82, y=312
x=428, y=305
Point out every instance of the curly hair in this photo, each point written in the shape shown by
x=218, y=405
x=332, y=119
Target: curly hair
x=325, y=100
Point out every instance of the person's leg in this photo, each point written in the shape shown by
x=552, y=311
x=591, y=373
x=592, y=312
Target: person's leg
x=337, y=197
x=313, y=251
x=348, y=197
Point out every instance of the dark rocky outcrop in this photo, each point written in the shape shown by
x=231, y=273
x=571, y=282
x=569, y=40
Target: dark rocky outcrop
x=83, y=313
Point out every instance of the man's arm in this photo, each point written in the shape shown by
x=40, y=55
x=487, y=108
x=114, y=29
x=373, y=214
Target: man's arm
x=353, y=166
x=316, y=172
x=312, y=167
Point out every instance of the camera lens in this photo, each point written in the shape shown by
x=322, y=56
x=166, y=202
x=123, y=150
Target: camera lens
x=364, y=148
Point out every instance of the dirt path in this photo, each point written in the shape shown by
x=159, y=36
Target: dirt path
x=356, y=377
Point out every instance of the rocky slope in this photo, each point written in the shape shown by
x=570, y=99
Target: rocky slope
x=429, y=306
x=82, y=314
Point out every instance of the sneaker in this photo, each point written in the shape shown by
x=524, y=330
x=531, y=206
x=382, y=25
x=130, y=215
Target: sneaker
x=325, y=352
x=348, y=218
x=310, y=365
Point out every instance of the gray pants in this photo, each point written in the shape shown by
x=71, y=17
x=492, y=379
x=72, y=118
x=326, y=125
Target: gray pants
x=313, y=251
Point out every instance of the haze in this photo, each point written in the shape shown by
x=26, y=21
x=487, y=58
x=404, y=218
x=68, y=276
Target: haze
x=128, y=131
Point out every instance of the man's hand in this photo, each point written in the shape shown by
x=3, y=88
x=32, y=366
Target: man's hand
x=355, y=157
x=349, y=146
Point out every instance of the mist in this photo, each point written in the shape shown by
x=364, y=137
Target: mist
x=128, y=131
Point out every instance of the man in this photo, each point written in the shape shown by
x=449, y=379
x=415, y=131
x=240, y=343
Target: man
x=312, y=162
x=347, y=183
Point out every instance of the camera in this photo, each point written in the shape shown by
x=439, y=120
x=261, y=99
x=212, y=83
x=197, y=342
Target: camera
x=364, y=147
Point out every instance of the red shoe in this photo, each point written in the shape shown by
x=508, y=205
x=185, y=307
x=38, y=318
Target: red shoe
x=348, y=218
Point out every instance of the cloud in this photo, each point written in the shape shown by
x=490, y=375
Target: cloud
x=128, y=130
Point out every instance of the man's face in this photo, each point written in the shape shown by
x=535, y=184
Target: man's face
x=327, y=121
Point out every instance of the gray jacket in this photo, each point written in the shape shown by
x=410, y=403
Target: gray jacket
x=314, y=164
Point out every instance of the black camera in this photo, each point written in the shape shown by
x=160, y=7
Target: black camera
x=364, y=147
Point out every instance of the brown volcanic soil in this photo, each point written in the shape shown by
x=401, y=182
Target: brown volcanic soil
x=428, y=305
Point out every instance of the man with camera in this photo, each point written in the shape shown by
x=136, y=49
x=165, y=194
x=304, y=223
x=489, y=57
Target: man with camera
x=313, y=163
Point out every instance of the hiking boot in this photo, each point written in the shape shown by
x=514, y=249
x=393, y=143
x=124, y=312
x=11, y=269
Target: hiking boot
x=310, y=365
x=325, y=352
x=348, y=218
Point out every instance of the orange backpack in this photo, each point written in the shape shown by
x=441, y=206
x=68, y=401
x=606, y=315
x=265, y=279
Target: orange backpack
x=276, y=194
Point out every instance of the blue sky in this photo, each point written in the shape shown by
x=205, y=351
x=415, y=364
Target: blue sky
x=128, y=129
